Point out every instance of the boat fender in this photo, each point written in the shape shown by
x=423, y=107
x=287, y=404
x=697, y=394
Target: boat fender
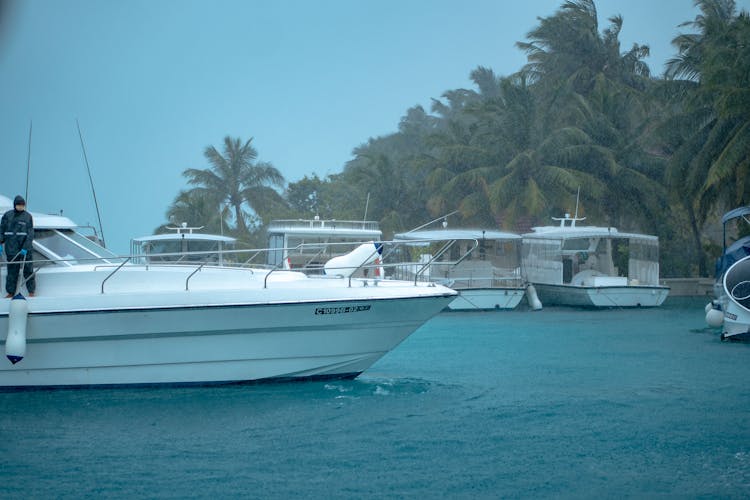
x=714, y=318
x=345, y=265
x=532, y=298
x=15, y=342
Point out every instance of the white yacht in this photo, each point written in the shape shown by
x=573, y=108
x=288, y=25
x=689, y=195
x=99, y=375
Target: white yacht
x=592, y=266
x=183, y=244
x=483, y=266
x=99, y=319
x=310, y=243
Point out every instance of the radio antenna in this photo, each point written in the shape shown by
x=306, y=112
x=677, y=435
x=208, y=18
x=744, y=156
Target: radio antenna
x=91, y=181
x=28, y=165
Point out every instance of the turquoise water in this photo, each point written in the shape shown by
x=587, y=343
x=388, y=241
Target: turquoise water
x=556, y=403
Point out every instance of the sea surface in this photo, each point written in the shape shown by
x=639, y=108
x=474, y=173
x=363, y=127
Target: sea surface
x=562, y=403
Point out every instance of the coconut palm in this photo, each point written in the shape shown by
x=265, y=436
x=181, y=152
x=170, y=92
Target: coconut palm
x=594, y=93
x=197, y=209
x=708, y=133
x=237, y=179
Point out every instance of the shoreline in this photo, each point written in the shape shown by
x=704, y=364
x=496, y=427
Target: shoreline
x=689, y=287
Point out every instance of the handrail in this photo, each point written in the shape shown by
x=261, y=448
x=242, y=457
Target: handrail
x=113, y=272
x=378, y=248
x=192, y=274
x=439, y=253
x=265, y=280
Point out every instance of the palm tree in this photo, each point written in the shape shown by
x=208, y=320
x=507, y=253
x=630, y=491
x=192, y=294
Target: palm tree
x=237, y=179
x=708, y=133
x=566, y=51
x=594, y=94
x=196, y=209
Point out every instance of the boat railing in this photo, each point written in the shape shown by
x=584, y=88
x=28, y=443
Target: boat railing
x=371, y=270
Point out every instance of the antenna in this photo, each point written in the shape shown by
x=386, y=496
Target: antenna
x=28, y=165
x=367, y=204
x=578, y=195
x=91, y=181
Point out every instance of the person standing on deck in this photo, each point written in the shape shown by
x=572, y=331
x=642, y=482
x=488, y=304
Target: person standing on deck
x=16, y=238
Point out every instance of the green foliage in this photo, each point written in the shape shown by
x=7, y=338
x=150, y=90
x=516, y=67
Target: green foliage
x=663, y=156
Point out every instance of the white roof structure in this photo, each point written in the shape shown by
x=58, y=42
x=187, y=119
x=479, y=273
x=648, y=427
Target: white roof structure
x=457, y=234
x=41, y=221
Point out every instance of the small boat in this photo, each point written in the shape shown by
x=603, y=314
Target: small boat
x=483, y=266
x=99, y=319
x=736, y=325
x=729, y=308
x=590, y=266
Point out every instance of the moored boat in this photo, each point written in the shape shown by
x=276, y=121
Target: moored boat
x=309, y=243
x=589, y=266
x=483, y=266
x=100, y=319
x=735, y=225
x=736, y=284
x=182, y=244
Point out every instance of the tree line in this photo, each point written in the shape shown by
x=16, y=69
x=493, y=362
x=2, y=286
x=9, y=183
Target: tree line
x=664, y=155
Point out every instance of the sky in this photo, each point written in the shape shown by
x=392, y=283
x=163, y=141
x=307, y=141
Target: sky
x=152, y=83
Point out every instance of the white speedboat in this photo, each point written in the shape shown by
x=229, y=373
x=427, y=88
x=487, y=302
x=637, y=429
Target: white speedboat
x=483, y=266
x=592, y=266
x=735, y=223
x=98, y=319
x=736, y=283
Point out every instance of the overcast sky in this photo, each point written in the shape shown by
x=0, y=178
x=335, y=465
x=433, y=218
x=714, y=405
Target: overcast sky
x=153, y=82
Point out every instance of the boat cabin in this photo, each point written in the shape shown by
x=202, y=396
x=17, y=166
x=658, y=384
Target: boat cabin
x=464, y=258
x=589, y=256
x=309, y=243
x=183, y=245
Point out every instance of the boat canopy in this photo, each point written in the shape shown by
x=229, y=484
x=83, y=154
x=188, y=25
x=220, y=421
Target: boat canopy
x=733, y=214
x=456, y=234
x=564, y=233
x=734, y=253
x=184, y=236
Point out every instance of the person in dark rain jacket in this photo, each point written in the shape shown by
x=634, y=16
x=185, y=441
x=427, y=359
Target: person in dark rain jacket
x=16, y=238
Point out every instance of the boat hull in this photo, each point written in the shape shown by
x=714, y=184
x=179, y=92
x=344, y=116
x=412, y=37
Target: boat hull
x=214, y=344
x=601, y=296
x=479, y=299
x=736, y=301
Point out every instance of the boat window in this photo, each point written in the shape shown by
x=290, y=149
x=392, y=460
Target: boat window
x=62, y=247
x=645, y=250
x=180, y=250
x=455, y=251
x=88, y=244
x=275, y=256
x=576, y=244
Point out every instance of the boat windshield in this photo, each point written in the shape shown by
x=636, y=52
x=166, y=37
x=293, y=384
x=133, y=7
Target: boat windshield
x=71, y=247
x=184, y=250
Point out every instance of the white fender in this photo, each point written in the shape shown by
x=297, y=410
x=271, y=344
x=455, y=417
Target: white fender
x=345, y=265
x=15, y=342
x=714, y=318
x=532, y=297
